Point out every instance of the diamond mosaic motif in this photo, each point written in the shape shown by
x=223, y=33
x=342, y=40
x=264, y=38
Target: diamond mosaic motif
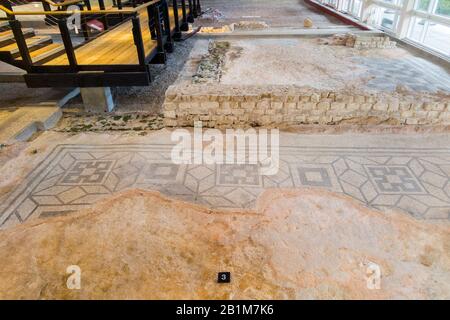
x=394, y=179
x=72, y=177
x=87, y=172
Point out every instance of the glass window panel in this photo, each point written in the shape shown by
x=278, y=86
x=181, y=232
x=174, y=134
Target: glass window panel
x=423, y=5
x=344, y=5
x=437, y=37
x=331, y=3
x=357, y=5
x=383, y=17
x=395, y=2
x=443, y=8
x=417, y=28
x=388, y=18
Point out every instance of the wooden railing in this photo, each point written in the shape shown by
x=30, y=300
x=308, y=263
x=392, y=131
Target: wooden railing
x=159, y=25
x=75, y=71
x=14, y=13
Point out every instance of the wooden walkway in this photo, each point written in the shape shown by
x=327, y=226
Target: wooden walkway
x=119, y=56
x=115, y=46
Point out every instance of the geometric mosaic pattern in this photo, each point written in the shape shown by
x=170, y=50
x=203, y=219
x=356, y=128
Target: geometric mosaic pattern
x=415, y=73
x=75, y=176
x=394, y=179
x=87, y=172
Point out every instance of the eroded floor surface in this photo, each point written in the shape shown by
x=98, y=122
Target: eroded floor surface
x=60, y=173
x=282, y=13
x=305, y=62
x=296, y=244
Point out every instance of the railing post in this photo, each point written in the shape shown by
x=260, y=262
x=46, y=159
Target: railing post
x=151, y=21
x=46, y=7
x=68, y=46
x=101, y=5
x=169, y=41
x=177, y=33
x=84, y=26
x=137, y=37
x=191, y=14
x=159, y=34
x=193, y=8
x=16, y=28
x=184, y=24
x=199, y=8
x=87, y=3
x=120, y=7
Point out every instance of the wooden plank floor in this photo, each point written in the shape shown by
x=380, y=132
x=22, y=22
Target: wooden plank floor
x=116, y=46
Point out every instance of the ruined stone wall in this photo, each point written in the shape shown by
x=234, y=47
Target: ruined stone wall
x=360, y=42
x=229, y=107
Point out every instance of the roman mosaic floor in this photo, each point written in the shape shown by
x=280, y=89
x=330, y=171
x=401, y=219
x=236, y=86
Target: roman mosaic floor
x=74, y=176
x=414, y=73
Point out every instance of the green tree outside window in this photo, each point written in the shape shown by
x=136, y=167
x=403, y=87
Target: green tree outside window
x=443, y=7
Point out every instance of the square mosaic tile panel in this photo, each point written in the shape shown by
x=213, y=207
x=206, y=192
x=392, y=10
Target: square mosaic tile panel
x=73, y=177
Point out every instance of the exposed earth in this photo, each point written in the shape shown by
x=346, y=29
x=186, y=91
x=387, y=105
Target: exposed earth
x=296, y=244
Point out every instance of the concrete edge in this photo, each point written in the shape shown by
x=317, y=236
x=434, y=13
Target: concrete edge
x=12, y=77
x=35, y=125
x=310, y=33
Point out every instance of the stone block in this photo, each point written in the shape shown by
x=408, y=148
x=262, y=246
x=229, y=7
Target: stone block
x=352, y=106
x=324, y=94
x=292, y=98
x=417, y=106
x=344, y=98
x=323, y=106
x=337, y=106
x=209, y=104
x=170, y=114
x=421, y=114
x=403, y=105
x=248, y=105
x=313, y=119
x=237, y=112
x=263, y=104
x=359, y=99
x=170, y=106
x=433, y=114
x=411, y=121
x=445, y=115
x=290, y=106
x=187, y=105
x=407, y=114
x=305, y=98
x=306, y=106
x=170, y=122
x=97, y=100
x=380, y=106
x=315, y=97
x=276, y=105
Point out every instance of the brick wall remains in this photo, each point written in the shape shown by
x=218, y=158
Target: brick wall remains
x=292, y=106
